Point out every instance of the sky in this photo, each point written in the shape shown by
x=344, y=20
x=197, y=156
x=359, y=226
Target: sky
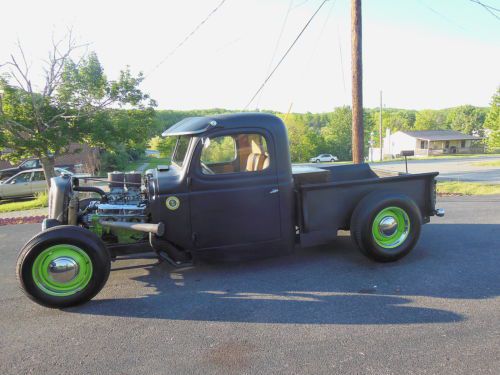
x=420, y=53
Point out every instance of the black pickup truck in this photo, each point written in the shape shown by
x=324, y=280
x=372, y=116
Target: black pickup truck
x=230, y=191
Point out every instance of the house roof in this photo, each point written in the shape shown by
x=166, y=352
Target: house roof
x=440, y=135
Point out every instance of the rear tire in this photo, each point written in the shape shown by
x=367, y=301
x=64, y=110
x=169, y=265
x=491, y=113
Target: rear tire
x=386, y=227
x=63, y=266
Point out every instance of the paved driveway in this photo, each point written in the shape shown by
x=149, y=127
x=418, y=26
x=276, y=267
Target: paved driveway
x=326, y=310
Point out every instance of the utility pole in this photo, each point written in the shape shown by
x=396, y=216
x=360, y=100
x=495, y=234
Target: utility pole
x=380, y=130
x=357, y=83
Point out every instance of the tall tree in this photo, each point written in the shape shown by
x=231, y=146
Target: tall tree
x=428, y=119
x=337, y=134
x=74, y=96
x=467, y=119
x=492, y=122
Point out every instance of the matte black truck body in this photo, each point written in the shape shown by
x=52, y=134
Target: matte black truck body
x=237, y=212
x=230, y=191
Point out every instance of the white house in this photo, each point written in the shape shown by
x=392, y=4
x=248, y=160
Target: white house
x=431, y=142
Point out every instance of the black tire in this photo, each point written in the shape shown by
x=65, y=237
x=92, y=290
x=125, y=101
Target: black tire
x=317, y=161
x=362, y=222
x=75, y=236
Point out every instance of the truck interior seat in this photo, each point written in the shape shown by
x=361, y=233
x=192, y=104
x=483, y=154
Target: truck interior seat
x=258, y=159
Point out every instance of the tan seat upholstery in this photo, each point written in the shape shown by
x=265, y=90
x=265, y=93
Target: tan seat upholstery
x=258, y=159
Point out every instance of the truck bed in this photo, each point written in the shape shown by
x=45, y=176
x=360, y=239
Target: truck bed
x=327, y=196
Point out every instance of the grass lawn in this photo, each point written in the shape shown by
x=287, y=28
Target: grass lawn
x=467, y=188
x=40, y=201
x=154, y=162
x=493, y=163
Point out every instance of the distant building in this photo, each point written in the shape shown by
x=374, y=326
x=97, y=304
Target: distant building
x=431, y=142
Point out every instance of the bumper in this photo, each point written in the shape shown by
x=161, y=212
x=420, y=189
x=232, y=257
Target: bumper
x=439, y=212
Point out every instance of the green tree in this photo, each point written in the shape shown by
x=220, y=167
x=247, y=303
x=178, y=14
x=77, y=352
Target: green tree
x=467, y=119
x=70, y=107
x=428, y=119
x=304, y=140
x=492, y=122
x=337, y=134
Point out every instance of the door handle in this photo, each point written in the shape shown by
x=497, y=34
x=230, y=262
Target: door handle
x=274, y=191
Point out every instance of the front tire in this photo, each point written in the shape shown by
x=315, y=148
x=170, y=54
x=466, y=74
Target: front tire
x=63, y=266
x=386, y=227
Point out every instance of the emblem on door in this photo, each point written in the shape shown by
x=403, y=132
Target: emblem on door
x=173, y=203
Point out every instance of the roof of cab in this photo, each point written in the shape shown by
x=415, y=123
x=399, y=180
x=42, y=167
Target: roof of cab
x=198, y=125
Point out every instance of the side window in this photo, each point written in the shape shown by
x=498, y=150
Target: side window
x=38, y=176
x=30, y=164
x=23, y=177
x=219, y=150
x=245, y=152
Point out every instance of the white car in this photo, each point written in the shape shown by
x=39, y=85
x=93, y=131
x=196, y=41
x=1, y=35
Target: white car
x=324, y=157
x=26, y=183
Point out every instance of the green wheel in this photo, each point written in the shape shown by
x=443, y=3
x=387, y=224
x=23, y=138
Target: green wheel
x=63, y=266
x=62, y=270
x=386, y=227
x=391, y=227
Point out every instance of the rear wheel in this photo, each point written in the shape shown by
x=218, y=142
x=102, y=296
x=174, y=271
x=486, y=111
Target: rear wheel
x=63, y=266
x=386, y=227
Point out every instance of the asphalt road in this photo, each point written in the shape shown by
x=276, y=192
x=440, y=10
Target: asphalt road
x=326, y=310
x=463, y=169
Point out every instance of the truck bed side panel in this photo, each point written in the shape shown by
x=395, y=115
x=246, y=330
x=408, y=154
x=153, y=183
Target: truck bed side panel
x=328, y=207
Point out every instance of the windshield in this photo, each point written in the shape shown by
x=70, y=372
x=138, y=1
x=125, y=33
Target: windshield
x=180, y=150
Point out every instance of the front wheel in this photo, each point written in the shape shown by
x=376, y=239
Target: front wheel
x=386, y=227
x=63, y=266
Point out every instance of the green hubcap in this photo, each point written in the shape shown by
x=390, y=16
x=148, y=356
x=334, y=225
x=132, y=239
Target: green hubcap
x=62, y=270
x=391, y=227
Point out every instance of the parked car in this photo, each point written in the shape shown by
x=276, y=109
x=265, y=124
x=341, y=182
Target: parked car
x=324, y=157
x=230, y=191
x=28, y=165
x=26, y=183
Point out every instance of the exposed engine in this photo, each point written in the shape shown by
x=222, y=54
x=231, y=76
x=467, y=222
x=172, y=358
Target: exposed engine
x=123, y=206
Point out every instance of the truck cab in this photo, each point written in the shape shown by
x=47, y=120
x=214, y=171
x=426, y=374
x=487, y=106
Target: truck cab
x=230, y=183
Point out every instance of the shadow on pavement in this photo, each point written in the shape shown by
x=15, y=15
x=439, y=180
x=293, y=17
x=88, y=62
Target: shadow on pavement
x=333, y=284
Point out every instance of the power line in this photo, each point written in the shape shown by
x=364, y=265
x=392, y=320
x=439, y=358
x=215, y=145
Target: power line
x=489, y=8
x=442, y=15
x=188, y=36
x=306, y=68
x=286, y=54
x=285, y=20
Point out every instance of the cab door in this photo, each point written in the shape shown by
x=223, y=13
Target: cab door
x=234, y=191
x=38, y=183
x=19, y=186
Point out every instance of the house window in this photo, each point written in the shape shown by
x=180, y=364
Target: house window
x=423, y=145
x=447, y=144
x=462, y=144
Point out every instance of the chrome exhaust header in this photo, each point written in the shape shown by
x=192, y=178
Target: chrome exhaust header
x=158, y=229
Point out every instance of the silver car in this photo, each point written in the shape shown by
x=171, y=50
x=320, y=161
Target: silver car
x=324, y=157
x=26, y=183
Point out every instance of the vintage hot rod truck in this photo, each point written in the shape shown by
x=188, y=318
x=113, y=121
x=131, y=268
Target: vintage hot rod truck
x=230, y=191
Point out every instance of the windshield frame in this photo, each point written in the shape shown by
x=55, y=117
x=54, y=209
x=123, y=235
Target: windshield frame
x=174, y=159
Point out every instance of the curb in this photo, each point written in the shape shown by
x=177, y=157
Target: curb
x=22, y=220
